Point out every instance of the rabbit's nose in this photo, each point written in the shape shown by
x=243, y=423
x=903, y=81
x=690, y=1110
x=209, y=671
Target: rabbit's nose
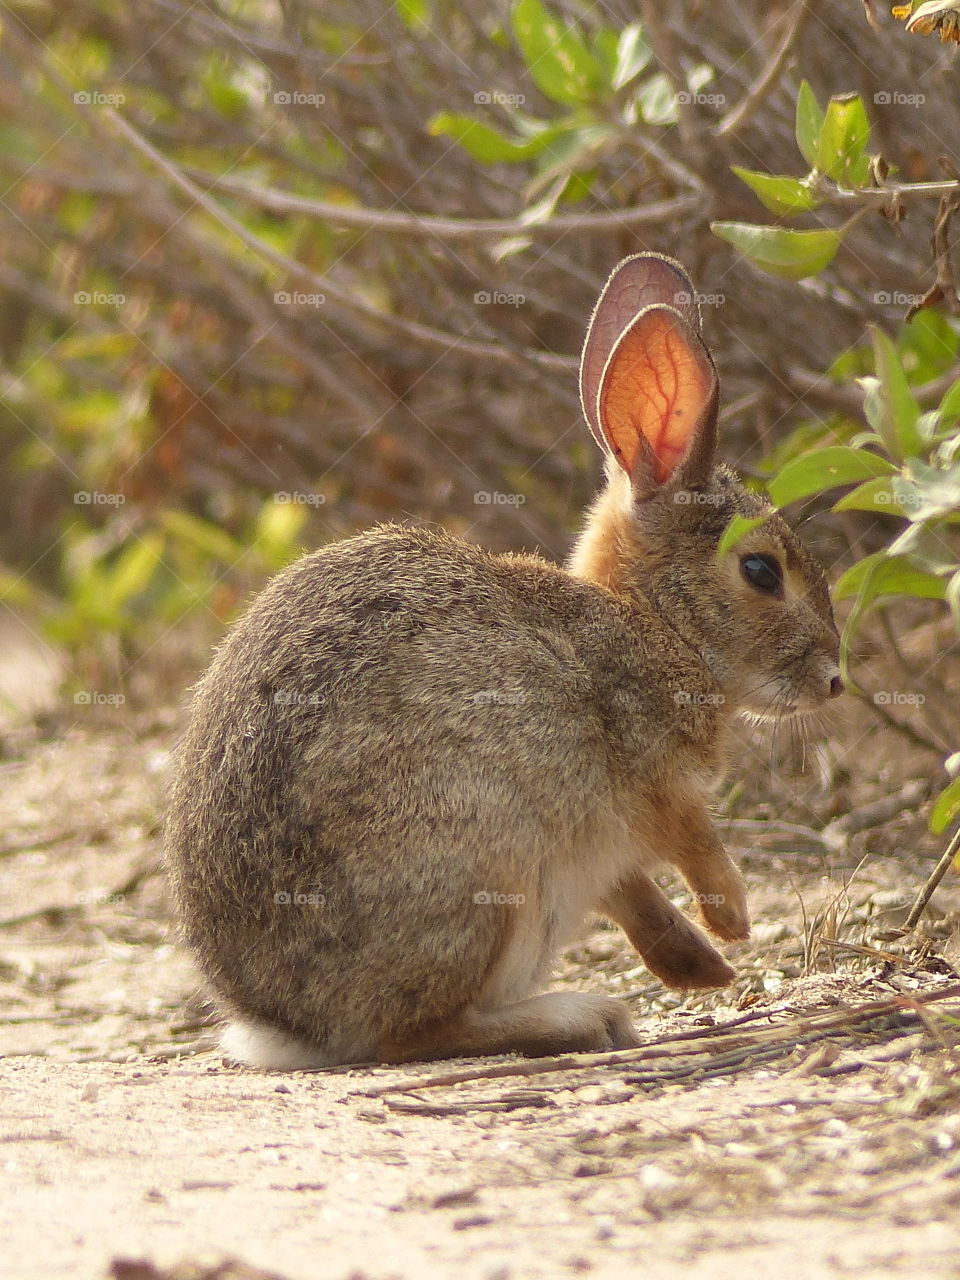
x=836, y=687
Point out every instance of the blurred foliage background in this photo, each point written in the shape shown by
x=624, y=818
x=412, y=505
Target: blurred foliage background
x=275, y=270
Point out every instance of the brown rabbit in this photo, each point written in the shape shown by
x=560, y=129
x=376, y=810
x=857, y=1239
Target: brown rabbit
x=414, y=767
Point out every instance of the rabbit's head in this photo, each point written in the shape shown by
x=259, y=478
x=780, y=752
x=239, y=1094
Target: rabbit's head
x=759, y=613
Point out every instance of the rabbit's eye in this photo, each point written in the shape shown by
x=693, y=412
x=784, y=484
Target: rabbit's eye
x=764, y=573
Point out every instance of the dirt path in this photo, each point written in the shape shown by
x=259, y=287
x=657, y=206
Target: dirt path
x=837, y=1157
x=300, y=1177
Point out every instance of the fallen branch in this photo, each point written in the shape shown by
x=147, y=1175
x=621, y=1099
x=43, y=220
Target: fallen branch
x=712, y=1044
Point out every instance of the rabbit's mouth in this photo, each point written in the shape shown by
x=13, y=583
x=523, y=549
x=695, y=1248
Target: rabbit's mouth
x=784, y=696
x=790, y=706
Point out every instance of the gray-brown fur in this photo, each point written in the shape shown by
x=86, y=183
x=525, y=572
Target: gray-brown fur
x=402, y=723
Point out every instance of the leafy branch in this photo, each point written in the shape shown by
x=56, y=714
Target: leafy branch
x=834, y=142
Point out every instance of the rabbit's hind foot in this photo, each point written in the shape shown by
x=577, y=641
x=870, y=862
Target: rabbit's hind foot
x=541, y=1026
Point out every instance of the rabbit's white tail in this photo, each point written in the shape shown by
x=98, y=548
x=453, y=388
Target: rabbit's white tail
x=257, y=1045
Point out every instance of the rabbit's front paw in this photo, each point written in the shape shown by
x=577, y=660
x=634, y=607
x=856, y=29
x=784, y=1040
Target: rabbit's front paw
x=685, y=961
x=724, y=908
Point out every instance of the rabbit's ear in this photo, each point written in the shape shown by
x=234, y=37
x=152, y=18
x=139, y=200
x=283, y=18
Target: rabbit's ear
x=657, y=403
x=647, y=382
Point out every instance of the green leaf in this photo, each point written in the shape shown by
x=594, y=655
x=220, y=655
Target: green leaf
x=946, y=809
x=843, y=141
x=275, y=532
x=132, y=572
x=699, y=77
x=573, y=148
x=776, y=192
x=203, y=535
x=791, y=254
x=75, y=210
x=873, y=409
x=16, y=590
x=579, y=186
x=562, y=66
x=950, y=405
x=809, y=122
x=886, y=575
x=897, y=422
x=633, y=55
x=738, y=528
x=657, y=100
x=823, y=469
x=105, y=345
x=222, y=94
x=952, y=597
x=487, y=145
x=879, y=575
x=542, y=210
x=928, y=345
x=872, y=495
x=414, y=14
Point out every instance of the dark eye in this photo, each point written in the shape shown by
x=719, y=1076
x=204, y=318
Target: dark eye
x=763, y=572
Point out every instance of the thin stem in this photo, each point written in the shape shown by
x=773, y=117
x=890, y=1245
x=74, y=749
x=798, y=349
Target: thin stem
x=431, y=227
x=928, y=890
x=747, y=108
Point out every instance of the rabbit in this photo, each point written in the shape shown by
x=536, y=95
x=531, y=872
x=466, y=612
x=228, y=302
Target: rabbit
x=414, y=766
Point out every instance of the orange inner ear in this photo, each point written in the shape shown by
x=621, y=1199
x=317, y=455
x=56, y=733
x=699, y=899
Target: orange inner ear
x=657, y=384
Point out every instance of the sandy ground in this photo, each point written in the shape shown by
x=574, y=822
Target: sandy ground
x=125, y=1137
